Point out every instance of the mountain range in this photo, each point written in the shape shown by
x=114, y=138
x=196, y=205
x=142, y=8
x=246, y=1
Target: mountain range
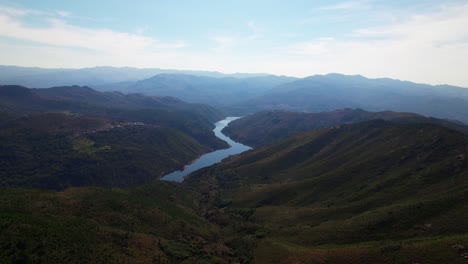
x=334, y=91
x=241, y=94
x=95, y=76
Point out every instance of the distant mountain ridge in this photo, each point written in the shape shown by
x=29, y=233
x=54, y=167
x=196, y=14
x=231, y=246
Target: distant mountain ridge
x=202, y=89
x=95, y=76
x=241, y=94
x=321, y=93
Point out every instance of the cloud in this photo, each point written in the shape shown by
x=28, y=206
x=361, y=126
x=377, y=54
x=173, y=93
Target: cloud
x=430, y=47
x=61, y=44
x=227, y=42
x=60, y=34
x=12, y=11
x=350, y=5
x=315, y=48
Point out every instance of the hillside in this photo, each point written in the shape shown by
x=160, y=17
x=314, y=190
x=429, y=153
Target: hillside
x=264, y=128
x=75, y=136
x=151, y=224
x=55, y=151
x=321, y=93
x=352, y=191
x=193, y=119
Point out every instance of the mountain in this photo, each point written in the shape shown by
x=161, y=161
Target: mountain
x=208, y=90
x=264, y=128
x=75, y=136
x=96, y=76
x=334, y=91
x=372, y=192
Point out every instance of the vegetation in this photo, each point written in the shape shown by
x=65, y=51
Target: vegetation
x=350, y=191
x=353, y=192
x=395, y=197
x=264, y=128
x=75, y=136
x=150, y=224
x=112, y=155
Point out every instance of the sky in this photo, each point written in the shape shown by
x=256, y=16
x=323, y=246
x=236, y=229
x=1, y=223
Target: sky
x=421, y=41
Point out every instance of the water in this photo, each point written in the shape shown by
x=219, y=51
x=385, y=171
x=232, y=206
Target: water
x=212, y=157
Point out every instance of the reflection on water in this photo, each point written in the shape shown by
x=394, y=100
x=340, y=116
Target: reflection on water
x=212, y=157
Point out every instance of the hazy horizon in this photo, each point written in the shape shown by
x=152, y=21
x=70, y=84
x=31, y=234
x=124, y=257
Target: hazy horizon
x=421, y=41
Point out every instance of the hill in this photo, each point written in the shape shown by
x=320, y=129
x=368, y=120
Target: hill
x=321, y=93
x=370, y=192
x=266, y=127
x=75, y=136
x=57, y=150
x=193, y=119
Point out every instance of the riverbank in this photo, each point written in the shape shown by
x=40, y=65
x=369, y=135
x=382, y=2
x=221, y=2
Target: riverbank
x=210, y=158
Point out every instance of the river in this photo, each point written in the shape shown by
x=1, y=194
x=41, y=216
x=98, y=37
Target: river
x=211, y=157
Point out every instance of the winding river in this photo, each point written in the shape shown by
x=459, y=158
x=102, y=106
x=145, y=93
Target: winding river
x=211, y=157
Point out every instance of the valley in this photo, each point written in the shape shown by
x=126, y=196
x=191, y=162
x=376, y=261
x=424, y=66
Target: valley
x=212, y=157
x=96, y=176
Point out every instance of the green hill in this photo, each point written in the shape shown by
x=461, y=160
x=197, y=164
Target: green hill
x=355, y=190
x=58, y=150
x=264, y=128
x=75, y=136
x=150, y=224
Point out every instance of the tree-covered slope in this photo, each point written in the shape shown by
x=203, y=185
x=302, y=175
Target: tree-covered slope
x=352, y=188
x=264, y=128
x=59, y=150
x=76, y=136
x=151, y=224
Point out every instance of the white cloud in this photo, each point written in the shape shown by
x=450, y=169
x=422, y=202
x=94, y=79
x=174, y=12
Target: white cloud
x=227, y=42
x=426, y=48
x=12, y=11
x=63, y=13
x=59, y=33
x=60, y=44
x=349, y=5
